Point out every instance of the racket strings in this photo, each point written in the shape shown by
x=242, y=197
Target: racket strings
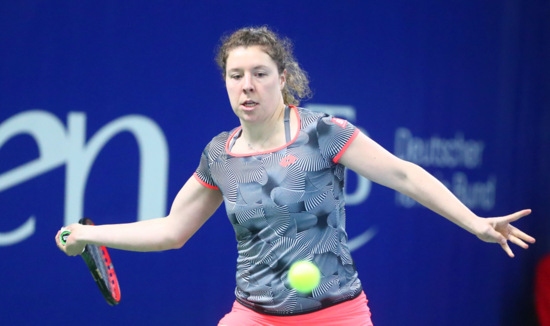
x=102, y=265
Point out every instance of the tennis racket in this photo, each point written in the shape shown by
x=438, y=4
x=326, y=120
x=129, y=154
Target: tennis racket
x=99, y=262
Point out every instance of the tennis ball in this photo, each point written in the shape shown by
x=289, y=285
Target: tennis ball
x=304, y=276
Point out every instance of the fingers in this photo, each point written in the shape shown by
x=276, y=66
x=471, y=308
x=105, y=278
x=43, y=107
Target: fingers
x=517, y=215
x=518, y=242
x=69, y=247
x=511, y=233
x=57, y=238
x=517, y=237
x=520, y=235
x=501, y=238
x=60, y=246
x=507, y=249
x=58, y=241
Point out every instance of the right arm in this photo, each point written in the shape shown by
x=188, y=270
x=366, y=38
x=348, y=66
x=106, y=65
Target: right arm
x=192, y=207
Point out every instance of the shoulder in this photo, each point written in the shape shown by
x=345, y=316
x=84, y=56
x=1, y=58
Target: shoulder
x=321, y=120
x=308, y=116
x=222, y=136
x=218, y=143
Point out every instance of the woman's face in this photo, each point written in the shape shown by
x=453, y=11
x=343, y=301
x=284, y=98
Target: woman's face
x=253, y=84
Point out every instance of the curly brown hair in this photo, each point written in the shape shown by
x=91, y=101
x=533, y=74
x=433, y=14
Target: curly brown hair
x=279, y=49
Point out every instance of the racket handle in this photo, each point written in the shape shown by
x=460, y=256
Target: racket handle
x=64, y=235
x=63, y=238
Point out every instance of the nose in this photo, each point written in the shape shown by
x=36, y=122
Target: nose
x=248, y=85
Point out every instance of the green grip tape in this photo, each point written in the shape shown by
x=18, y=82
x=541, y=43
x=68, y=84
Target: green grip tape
x=63, y=236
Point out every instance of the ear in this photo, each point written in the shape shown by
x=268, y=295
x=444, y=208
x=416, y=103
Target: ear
x=283, y=79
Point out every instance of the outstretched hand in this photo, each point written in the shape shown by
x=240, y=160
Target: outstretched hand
x=499, y=230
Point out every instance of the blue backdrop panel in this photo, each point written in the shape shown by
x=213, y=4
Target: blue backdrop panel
x=106, y=106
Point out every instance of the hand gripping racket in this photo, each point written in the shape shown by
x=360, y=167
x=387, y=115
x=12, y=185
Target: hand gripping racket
x=98, y=261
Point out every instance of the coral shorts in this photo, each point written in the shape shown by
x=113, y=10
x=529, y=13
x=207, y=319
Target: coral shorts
x=350, y=313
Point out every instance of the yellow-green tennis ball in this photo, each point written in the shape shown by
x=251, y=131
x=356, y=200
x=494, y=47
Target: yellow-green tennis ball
x=304, y=276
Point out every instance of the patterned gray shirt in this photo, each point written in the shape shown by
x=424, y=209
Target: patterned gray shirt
x=287, y=205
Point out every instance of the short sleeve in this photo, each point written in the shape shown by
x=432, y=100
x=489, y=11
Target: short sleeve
x=202, y=174
x=335, y=135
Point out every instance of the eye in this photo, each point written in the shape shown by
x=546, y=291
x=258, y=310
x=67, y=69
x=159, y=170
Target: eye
x=261, y=74
x=235, y=76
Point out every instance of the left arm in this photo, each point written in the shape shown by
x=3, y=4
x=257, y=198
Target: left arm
x=372, y=161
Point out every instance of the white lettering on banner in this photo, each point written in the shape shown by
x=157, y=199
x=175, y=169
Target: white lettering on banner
x=438, y=152
x=475, y=195
x=58, y=146
x=49, y=134
x=448, y=153
x=153, y=174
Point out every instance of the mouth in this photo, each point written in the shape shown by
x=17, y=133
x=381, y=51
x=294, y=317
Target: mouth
x=249, y=105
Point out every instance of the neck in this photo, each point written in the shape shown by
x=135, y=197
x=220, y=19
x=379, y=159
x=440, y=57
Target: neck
x=259, y=136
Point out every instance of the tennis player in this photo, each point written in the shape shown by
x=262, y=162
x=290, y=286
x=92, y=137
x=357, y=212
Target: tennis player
x=281, y=177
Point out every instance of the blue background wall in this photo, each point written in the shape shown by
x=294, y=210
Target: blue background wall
x=471, y=75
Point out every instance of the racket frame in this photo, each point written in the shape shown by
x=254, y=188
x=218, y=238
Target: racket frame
x=97, y=259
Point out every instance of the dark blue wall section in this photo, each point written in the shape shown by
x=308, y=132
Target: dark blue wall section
x=106, y=106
